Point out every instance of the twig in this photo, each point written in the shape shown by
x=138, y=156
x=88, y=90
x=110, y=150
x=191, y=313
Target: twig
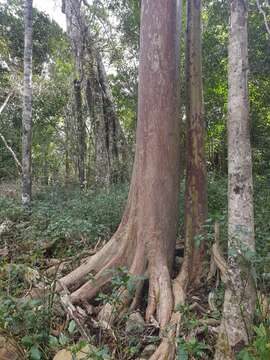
x=264, y=16
x=6, y=102
x=19, y=166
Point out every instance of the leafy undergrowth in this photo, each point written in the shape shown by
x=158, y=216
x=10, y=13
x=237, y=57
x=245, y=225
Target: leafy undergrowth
x=62, y=219
x=66, y=225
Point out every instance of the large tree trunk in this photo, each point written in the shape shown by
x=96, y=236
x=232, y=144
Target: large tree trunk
x=196, y=178
x=145, y=239
x=240, y=295
x=27, y=108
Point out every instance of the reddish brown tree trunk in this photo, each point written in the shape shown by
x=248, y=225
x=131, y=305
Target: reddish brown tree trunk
x=196, y=178
x=147, y=234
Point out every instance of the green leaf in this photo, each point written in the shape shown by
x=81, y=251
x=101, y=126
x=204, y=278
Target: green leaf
x=244, y=355
x=27, y=341
x=35, y=354
x=72, y=327
x=182, y=353
x=53, y=341
x=63, y=340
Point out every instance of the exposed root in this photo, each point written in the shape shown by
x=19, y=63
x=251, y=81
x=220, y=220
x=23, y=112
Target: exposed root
x=93, y=286
x=165, y=351
x=167, y=347
x=126, y=300
x=160, y=297
x=77, y=277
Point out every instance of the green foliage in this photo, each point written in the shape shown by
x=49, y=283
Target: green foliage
x=66, y=217
x=27, y=319
x=192, y=347
x=260, y=346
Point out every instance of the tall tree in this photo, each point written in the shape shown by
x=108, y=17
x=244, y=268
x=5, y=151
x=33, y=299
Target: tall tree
x=27, y=107
x=196, y=178
x=91, y=87
x=239, y=303
x=146, y=237
x=76, y=30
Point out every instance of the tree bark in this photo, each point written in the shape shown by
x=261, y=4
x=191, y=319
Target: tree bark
x=196, y=177
x=76, y=31
x=27, y=107
x=95, y=101
x=117, y=145
x=110, y=142
x=145, y=239
x=239, y=303
x=80, y=130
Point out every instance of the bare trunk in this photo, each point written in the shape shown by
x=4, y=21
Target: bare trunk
x=27, y=108
x=76, y=32
x=117, y=145
x=81, y=131
x=45, y=172
x=196, y=178
x=110, y=143
x=146, y=236
x=96, y=108
x=239, y=303
x=67, y=147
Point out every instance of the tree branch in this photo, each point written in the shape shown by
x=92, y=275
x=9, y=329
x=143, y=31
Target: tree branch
x=2, y=108
x=3, y=138
x=264, y=16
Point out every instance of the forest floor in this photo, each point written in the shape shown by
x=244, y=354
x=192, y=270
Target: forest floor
x=66, y=226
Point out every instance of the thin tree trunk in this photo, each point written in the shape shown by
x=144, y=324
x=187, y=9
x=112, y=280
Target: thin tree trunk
x=76, y=32
x=45, y=175
x=110, y=142
x=95, y=102
x=27, y=108
x=81, y=131
x=239, y=303
x=117, y=145
x=67, y=148
x=196, y=178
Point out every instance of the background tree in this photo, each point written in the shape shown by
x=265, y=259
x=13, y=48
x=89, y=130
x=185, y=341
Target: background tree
x=240, y=294
x=27, y=107
x=93, y=89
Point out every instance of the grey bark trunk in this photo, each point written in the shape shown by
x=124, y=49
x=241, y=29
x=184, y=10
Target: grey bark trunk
x=96, y=107
x=117, y=145
x=239, y=303
x=76, y=32
x=80, y=130
x=110, y=143
x=27, y=107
